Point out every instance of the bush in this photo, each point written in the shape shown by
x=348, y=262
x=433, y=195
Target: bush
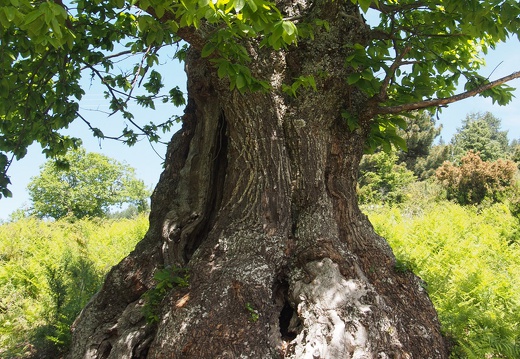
x=48, y=272
x=381, y=180
x=471, y=268
x=475, y=180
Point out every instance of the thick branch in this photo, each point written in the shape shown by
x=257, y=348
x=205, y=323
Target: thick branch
x=443, y=101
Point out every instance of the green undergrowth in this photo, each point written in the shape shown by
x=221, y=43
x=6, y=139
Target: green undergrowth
x=468, y=256
x=49, y=271
x=470, y=260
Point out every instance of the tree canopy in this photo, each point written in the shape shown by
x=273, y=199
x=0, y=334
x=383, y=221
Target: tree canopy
x=416, y=55
x=89, y=187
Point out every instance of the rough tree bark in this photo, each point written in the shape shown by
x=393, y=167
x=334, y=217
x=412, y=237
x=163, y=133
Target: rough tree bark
x=258, y=201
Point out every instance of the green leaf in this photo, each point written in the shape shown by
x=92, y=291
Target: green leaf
x=98, y=133
x=400, y=122
x=159, y=11
x=240, y=81
x=289, y=27
x=353, y=78
x=239, y=5
x=32, y=16
x=252, y=5
x=364, y=4
x=208, y=49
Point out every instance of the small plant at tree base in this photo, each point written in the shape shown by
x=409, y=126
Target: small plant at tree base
x=167, y=279
x=403, y=266
x=253, y=312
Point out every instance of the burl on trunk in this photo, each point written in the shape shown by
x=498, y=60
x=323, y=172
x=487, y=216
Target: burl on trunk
x=258, y=202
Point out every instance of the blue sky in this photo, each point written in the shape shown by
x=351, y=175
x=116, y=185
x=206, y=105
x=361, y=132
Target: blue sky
x=503, y=61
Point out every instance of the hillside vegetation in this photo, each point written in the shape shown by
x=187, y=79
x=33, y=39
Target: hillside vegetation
x=49, y=271
x=469, y=260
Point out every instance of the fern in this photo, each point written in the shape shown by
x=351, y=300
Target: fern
x=471, y=266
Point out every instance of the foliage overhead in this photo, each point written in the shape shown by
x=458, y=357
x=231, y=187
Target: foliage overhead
x=423, y=49
x=90, y=185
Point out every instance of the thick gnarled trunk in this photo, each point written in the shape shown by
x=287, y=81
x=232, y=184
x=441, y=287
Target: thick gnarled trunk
x=258, y=201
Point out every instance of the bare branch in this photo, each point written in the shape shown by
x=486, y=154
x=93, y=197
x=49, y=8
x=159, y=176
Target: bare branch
x=94, y=129
x=443, y=101
x=109, y=88
x=122, y=53
x=138, y=73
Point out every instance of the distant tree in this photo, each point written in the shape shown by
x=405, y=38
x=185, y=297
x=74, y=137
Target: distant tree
x=480, y=133
x=475, y=179
x=419, y=135
x=514, y=151
x=425, y=167
x=382, y=180
x=85, y=184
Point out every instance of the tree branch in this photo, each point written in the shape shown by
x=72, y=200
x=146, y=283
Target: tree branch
x=388, y=9
x=191, y=35
x=391, y=72
x=111, y=56
x=443, y=101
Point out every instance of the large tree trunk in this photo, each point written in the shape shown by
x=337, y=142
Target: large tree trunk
x=258, y=201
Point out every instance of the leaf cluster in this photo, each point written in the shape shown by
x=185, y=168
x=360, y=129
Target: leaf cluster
x=425, y=48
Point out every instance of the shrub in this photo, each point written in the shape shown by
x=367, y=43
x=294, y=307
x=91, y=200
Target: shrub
x=381, y=180
x=475, y=180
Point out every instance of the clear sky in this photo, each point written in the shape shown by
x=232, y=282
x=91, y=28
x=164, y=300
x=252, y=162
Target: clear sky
x=503, y=61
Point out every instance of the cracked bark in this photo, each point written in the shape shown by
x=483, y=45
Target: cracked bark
x=258, y=200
